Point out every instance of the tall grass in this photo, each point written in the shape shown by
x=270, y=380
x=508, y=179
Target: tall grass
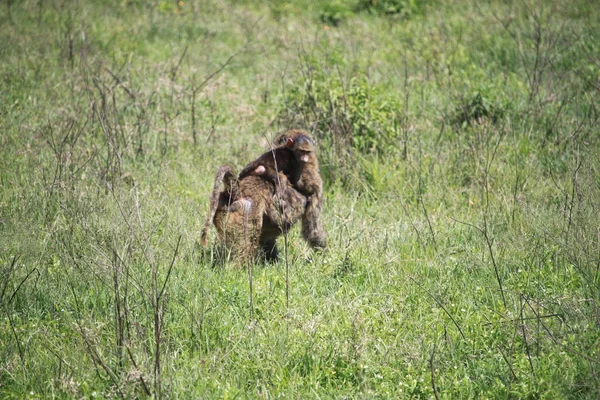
x=459, y=147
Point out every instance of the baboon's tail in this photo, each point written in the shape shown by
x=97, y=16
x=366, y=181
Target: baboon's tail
x=224, y=174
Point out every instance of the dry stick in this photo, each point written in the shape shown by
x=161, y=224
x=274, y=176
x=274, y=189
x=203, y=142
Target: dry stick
x=428, y=221
x=162, y=290
x=61, y=361
x=439, y=303
x=121, y=84
x=91, y=351
x=249, y=262
x=435, y=393
x=287, y=271
x=592, y=122
x=525, y=334
x=120, y=307
x=17, y=340
x=119, y=323
x=509, y=364
x=510, y=357
x=194, y=117
x=158, y=305
x=59, y=151
x=7, y=275
x=285, y=240
x=573, y=258
x=176, y=67
x=251, y=289
x=213, y=120
x=196, y=89
x=518, y=43
x=488, y=164
x=8, y=313
x=515, y=189
x=156, y=296
x=573, y=193
x=404, y=121
x=142, y=381
x=519, y=186
x=285, y=231
x=138, y=285
x=20, y=284
x=156, y=329
x=166, y=122
x=537, y=74
x=420, y=196
x=555, y=340
x=489, y=242
x=126, y=314
x=135, y=236
x=412, y=224
x=513, y=320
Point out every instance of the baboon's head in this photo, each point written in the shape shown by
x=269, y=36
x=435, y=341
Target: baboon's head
x=300, y=142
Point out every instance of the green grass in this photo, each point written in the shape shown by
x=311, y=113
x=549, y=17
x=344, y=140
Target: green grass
x=460, y=151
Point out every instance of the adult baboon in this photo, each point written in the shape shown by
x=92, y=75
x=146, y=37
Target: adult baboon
x=250, y=214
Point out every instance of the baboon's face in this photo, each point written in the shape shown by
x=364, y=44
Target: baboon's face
x=303, y=147
x=303, y=155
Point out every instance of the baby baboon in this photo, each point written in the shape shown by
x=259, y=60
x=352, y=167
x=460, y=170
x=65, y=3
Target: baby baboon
x=251, y=213
x=294, y=156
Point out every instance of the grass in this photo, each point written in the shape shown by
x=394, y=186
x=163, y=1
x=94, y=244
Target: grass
x=460, y=153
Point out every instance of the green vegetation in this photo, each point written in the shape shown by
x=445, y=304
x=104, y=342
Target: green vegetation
x=460, y=149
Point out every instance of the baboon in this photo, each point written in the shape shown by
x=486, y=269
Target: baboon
x=251, y=213
x=294, y=156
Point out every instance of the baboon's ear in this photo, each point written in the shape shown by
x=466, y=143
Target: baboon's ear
x=289, y=142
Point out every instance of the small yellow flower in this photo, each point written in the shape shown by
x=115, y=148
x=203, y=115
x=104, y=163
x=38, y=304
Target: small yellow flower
x=326, y=27
x=180, y=4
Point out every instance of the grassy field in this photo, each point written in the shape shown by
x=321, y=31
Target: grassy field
x=459, y=143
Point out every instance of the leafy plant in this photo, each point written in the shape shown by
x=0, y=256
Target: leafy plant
x=354, y=113
x=334, y=12
x=404, y=8
x=483, y=98
x=476, y=108
x=349, y=118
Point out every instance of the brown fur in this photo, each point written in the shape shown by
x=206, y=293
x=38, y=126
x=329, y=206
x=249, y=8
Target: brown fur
x=294, y=156
x=270, y=195
x=250, y=214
